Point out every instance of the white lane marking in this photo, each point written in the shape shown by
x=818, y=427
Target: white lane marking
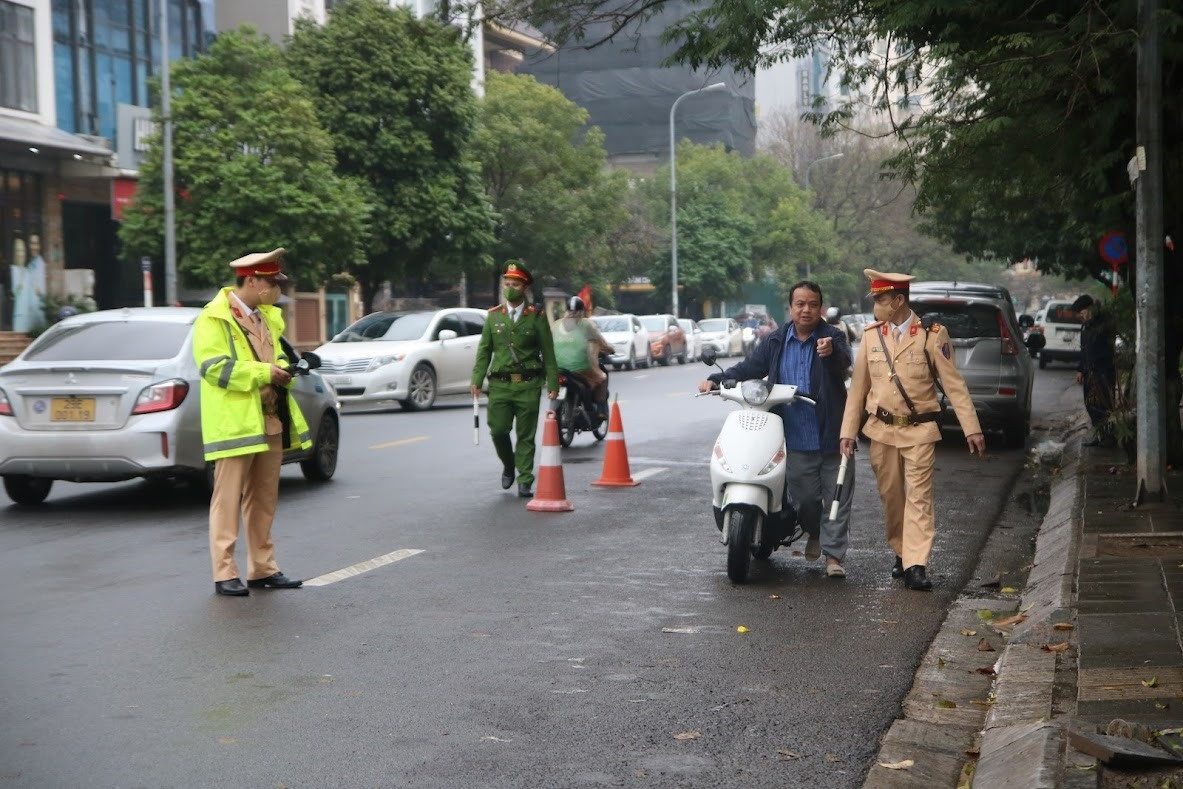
x=400, y=442
x=665, y=462
x=363, y=567
x=649, y=472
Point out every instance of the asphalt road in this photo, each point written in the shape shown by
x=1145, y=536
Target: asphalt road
x=516, y=650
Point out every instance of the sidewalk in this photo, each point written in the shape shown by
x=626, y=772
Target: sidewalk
x=1102, y=636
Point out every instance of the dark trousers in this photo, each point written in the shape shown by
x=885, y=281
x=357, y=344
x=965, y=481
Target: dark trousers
x=1098, y=395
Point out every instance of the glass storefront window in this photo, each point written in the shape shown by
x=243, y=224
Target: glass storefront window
x=18, y=70
x=22, y=261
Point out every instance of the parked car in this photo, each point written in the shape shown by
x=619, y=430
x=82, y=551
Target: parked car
x=666, y=338
x=722, y=335
x=986, y=340
x=693, y=338
x=1060, y=327
x=408, y=357
x=114, y=395
x=628, y=337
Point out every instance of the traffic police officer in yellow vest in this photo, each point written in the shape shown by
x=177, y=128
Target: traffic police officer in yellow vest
x=517, y=340
x=894, y=383
x=248, y=419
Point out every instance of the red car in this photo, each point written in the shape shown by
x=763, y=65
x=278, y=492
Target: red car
x=667, y=340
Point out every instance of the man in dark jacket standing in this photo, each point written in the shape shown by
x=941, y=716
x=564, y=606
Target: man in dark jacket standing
x=1095, y=370
x=814, y=356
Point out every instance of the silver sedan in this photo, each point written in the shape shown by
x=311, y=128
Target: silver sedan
x=115, y=395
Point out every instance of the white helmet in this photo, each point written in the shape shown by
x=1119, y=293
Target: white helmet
x=832, y=314
x=575, y=304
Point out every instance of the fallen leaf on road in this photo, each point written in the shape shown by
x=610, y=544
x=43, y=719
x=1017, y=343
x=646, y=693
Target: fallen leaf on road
x=491, y=738
x=789, y=754
x=981, y=703
x=773, y=597
x=1009, y=590
x=1027, y=607
x=989, y=672
x=1057, y=647
x=227, y=740
x=1150, y=683
x=1158, y=705
x=965, y=631
x=984, y=646
x=940, y=662
x=742, y=629
x=904, y=765
x=1062, y=626
x=1010, y=621
x=946, y=704
x=688, y=735
x=985, y=614
x=833, y=758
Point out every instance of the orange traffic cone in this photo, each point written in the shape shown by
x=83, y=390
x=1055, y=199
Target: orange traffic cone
x=552, y=492
x=616, y=473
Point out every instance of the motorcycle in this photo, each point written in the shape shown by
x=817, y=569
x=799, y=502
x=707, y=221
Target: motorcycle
x=576, y=408
x=748, y=473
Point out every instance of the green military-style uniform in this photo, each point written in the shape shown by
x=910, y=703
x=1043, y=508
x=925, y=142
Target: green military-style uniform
x=519, y=358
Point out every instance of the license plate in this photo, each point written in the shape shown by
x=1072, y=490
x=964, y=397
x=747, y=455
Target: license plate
x=340, y=380
x=71, y=409
x=562, y=393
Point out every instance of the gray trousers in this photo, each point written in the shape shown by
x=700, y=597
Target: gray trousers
x=811, y=477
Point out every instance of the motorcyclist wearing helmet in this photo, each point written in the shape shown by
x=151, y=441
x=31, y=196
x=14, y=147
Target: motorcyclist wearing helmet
x=834, y=318
x=578, y=345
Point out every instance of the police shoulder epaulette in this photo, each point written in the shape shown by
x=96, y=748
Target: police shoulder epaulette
x=496, y=307
x=529, y=310
x=935, y=327
x=873, y=326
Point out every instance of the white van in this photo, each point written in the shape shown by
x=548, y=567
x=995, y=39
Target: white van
x=1061, y=328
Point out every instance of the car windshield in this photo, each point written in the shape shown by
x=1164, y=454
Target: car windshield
x=110, y=341
x=388, y=327
x=653, y=323
x=611, y=324
x=963, y=321
x=717, y=324
x=1062, y=313
x=686, y=324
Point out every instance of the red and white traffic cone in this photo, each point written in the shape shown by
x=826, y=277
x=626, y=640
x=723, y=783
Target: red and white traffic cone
x=616, y=472
x=552, y=491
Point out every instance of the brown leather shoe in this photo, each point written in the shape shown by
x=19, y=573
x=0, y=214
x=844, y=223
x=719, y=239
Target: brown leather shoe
x=834, y=568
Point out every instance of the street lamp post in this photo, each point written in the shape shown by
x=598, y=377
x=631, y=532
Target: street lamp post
x=674, y=190
x=805, y=180
x=170, y=209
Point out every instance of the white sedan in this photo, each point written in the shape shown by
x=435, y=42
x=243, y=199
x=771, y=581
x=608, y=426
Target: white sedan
x=722, y=335
x=409, y=357
x=628, y=338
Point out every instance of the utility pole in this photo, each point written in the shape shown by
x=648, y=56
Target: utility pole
x=1149, y=302
x=170, y=206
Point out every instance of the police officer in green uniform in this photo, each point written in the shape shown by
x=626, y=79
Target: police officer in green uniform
x=517, y=339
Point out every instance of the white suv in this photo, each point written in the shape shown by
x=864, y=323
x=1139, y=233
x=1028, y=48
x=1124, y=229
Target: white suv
x=1061, y=328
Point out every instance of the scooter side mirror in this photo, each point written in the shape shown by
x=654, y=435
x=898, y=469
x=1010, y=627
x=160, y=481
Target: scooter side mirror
x=708, y=357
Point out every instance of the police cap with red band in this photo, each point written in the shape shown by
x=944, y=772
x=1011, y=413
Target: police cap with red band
x=515, y=270
x=260, y=264
x=882, y=283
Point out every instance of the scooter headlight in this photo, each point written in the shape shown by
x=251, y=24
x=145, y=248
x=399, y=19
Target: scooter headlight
x=776, y=459
x=754, y=392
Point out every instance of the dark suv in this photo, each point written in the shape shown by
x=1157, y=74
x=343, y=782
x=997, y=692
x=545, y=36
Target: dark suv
x=987, y=343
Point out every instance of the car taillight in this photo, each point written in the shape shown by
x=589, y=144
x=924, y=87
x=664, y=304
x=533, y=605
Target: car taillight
x=1009, y=346
x=5, y=406
x=161, y=397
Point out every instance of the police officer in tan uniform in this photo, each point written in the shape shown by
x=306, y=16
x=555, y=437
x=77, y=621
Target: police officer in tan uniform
x=894, y=384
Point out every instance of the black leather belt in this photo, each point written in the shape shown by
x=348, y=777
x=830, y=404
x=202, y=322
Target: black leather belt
x=906, y=419
x=528, y=375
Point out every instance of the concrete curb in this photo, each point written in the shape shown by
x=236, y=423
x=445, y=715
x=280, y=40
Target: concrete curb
x=1022, y=745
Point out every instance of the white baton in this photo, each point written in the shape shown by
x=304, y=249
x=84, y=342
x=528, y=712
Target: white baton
x=838, y=488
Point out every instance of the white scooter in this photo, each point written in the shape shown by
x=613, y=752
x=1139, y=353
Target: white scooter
x=748, y=473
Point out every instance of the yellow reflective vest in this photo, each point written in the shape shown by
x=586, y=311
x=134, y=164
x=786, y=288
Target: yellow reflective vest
x=231, y=404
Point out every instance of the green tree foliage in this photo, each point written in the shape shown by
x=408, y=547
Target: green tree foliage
x=252, y=170
x=559, y=209
x=395, y=93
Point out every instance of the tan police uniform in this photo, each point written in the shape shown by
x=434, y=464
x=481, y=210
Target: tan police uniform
x=903, y=442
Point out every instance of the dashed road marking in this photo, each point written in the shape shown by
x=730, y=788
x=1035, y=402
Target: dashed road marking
x=649, y=472
x=400, y=442
x=363, y=567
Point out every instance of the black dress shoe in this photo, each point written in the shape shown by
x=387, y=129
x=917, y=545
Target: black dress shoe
x=233, y=587
x=277, y=581
x=897, y=569
x=507, y=475
x=916, y=579
x=524, y=491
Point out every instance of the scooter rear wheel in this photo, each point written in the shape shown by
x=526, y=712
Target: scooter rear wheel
x=741, y=526
x=566, y=422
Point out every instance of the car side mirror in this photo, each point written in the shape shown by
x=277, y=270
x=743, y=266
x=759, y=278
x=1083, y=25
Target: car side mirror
x=312, y=358
x=447, y=334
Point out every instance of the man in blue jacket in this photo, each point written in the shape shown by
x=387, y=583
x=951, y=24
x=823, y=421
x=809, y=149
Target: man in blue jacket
x=814, y=356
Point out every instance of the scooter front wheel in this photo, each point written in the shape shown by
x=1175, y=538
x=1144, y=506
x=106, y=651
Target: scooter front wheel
x=741, y=527
x=566, y=422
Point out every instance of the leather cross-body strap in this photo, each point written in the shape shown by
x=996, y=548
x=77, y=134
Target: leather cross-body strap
x=894, y=377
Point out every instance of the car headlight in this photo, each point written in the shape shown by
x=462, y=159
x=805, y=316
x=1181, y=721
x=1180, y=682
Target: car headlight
x=382, y=361
x=754, y=392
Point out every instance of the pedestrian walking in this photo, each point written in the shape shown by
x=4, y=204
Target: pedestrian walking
x=897, y=372
x=517, y=352
x=813, y=356
x=1095, y=371
x=248, y=419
